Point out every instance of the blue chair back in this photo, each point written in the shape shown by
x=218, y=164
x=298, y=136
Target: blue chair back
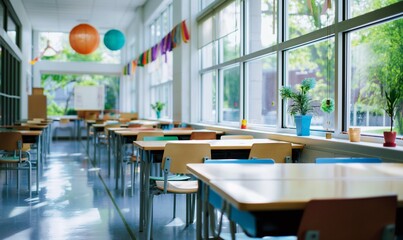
x=158, y=138
x=348, y=160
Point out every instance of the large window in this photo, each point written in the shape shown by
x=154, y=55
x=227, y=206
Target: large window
x=252, y=48
x=159, y=72
x=370, y=80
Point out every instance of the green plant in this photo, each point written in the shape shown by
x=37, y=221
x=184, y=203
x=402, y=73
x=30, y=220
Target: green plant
x=393, y=97
x=302, y=102
x=158, y=106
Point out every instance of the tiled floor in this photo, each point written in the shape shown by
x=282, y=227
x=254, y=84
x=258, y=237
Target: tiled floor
x=78, y=201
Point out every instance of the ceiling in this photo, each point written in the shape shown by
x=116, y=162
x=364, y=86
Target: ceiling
x=63, y=15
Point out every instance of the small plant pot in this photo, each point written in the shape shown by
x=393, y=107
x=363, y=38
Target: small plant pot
x=303, y=124
x=354, y=134
x=158, y=114
x=390, y=138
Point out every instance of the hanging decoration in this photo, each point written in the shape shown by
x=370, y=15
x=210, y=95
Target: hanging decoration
x=84, y=38
x=114, y=40
x=47, y=51
x=173, y=39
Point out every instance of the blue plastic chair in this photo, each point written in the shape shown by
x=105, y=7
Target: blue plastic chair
x=348, y=160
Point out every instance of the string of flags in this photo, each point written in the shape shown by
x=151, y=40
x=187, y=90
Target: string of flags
x=170, y=41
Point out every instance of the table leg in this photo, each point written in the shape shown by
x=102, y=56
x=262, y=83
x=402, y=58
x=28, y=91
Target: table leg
x=88, y=139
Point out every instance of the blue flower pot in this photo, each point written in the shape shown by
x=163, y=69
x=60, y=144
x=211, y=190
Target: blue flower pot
x=158, y=114
x=303, y=124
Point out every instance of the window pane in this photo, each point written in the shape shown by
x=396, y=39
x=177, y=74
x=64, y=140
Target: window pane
x=231, y=94
x=375, y=64
x=205, y=3
x=209, y=97
x=305, y=16
x=207, y=56
x=261, y=24
x=12, y=29
x=1, y=15
x=229, y=32
x=359, y=7
x=262, y=91
x=314, y=61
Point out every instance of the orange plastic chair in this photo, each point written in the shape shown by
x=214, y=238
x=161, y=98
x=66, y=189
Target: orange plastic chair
x=370, y=218
x=202, y=135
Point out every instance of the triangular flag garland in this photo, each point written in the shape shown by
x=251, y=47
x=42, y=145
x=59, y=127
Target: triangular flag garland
x=170, y=41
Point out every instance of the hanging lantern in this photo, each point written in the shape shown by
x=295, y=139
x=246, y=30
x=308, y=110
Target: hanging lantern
x=114, y=39
x=84, y=38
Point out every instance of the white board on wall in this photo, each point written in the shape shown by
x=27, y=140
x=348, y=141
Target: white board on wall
x=89, y=97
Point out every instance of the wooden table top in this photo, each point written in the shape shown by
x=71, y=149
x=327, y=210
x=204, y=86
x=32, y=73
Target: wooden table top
x=215, y=144
x=30, y=132
x=265, y=195
x=175, y=132
x=295, y=171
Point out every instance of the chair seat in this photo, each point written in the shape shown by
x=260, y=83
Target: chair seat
x=171, y=178
x=179, y=186
x=12, y=159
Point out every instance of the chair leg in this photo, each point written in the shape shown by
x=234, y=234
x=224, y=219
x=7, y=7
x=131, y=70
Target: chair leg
x=193, y=207
x=132, y=173
x=174, y=207
x=149, y=217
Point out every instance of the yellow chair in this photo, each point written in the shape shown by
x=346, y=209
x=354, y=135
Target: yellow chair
x=202, y=135
x=236, y=137
x=280, y=152
x=175, y=158
x=13, y=152
x=135, y=158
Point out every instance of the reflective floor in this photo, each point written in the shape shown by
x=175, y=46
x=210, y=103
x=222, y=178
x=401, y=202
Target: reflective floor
x=78, y=200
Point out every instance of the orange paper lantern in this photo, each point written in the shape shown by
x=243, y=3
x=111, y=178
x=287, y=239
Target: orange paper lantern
x=84, y=38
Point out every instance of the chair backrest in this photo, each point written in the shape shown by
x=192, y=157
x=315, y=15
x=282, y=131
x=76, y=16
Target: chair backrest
x=239, y=161
x=358, y=218
x=236, y=137
x=141, y=135
x=17, y=127
x=280, y=152
x=348, y=160
x=107, y=127
x=64, y=121
x=202, y=135
x=180, y=154
x=160, y=138
x=10, y=141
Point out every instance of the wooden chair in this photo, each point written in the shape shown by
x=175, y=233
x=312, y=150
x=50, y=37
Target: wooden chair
x=64, y=124
x=236, y=137
x=134, y=158
x=202, y=135
x=371, y=218
x=175, y=158
x=348, y=160
x=281, y=152
x=13, y=153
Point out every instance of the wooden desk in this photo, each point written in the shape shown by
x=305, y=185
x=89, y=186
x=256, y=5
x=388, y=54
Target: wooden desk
x=147, y=148
x=276, y=194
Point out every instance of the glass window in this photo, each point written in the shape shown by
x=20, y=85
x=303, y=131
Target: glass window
x=228, y=32
x=261, y=24
x=261, y=75
x=205, y=3
x=12, y=29
x=231, y=94
x=359, y=7
x=62, y=51
x=1, y=15
x=314, y=61
x=209, y=97
x=381, y=47
x=305, y=16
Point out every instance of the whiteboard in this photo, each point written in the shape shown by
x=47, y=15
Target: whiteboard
x=89, y=97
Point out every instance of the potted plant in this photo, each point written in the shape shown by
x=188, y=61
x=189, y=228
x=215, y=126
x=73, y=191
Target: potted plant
x=392, y=100
x=301, y=105
x=157, y=107
x=327, y=106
